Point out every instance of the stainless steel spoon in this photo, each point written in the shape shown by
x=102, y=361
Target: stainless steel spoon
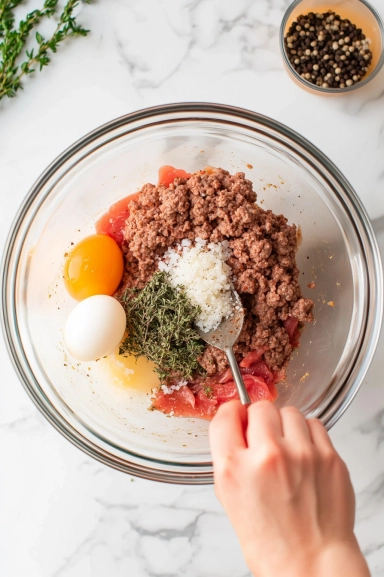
x=224, y=337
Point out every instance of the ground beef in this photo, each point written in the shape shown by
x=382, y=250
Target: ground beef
x=216, y=206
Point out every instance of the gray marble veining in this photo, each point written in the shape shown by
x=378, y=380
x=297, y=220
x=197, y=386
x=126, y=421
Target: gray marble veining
x=63, y=514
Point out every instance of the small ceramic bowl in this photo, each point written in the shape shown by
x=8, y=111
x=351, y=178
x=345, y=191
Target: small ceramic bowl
x=360, y=13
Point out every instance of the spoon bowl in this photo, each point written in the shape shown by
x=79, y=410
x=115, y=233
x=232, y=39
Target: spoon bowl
x=224, y=337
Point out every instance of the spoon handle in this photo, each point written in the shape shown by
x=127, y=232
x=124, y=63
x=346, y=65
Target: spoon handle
x=241, y=389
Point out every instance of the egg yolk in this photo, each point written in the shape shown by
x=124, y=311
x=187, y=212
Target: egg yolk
x=93, y=267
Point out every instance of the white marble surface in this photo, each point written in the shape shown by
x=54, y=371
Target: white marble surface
x=61, y=513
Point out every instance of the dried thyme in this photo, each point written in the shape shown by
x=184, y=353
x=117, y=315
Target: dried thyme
x=160, y=327
x=208, y=391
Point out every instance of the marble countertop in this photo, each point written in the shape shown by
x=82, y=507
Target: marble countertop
x=63, y=514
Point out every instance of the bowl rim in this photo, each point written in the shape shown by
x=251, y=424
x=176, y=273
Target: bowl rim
x=320, y=89
x=200, y=473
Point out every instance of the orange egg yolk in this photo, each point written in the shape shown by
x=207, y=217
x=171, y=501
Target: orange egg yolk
x=93, y=267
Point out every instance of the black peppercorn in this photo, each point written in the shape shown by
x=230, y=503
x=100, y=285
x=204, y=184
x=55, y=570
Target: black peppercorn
x=328, y=51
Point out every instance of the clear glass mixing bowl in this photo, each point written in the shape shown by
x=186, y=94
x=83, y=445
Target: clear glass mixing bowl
x=338, y=254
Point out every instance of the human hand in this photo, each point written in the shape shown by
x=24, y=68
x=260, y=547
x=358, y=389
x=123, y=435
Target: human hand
x=286, y=491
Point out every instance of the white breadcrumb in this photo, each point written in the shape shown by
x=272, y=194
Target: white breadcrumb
x=167, y=390
x=202, y=271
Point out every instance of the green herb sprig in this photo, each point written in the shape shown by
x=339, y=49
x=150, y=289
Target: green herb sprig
x=14, y=40
x=160, y=327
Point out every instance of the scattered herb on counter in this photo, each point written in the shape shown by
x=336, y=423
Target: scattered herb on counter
x=13, y=41
x=160, y=327
x=327, y=50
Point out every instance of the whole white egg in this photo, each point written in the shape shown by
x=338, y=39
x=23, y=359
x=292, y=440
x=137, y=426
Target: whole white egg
x=94, y=328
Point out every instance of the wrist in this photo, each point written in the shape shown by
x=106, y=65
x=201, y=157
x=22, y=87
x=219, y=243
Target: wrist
x=342, y=558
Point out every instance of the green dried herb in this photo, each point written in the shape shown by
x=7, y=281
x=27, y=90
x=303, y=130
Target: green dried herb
x=15, y=39
x=160, y=327
x=208, y=391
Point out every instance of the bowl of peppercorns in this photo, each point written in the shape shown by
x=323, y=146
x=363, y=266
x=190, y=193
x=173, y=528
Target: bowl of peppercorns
x=332, y=47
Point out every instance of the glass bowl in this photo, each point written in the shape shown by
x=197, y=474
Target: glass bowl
x=359, y=12
x=338, y=254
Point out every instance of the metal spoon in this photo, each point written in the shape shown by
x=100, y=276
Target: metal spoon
x=224, y=337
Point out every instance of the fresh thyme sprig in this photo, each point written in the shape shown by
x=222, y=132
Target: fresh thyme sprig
x=14, y=40
x=160, y=327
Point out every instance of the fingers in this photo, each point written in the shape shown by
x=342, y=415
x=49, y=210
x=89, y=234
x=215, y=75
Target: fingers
x=264, y=423
x=227, y=429
x=319, y=435
x=295, y=429
x=235, y=427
